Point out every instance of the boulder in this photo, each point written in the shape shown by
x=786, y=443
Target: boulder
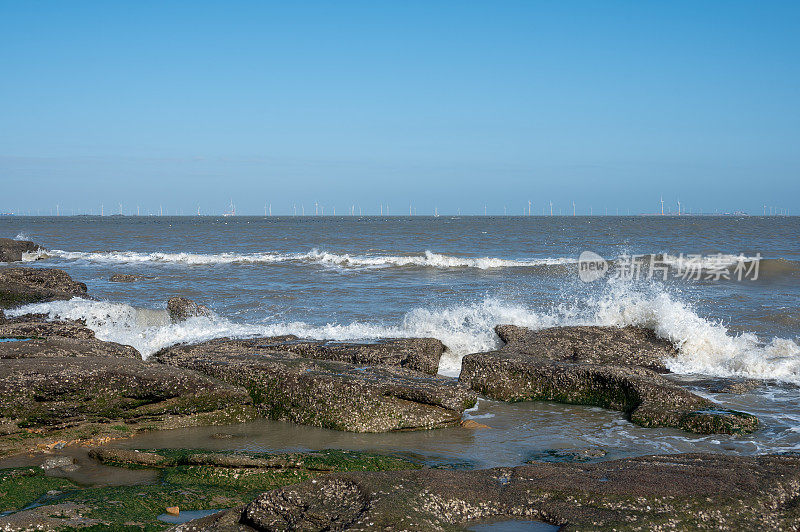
x=421, y=354
x=327, y=393
x=13, y=250
x=674, y=492
x=180, y=309
x=646, y=397
x=20, y=286
x=616, y=346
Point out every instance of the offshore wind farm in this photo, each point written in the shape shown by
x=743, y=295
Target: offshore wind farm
x=284, y=208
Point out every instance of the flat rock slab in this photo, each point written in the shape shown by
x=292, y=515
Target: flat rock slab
x=421, y=354
x=618, y=346
x=55, y=346
x=327, y=393
x=53, y=392
x=37, y=326
x=648, y=398
x=20, y=286
x=674, y=492
x=13, y=250
x=27, y=337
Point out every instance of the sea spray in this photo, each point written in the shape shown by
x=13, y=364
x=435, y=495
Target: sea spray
x=705, y=347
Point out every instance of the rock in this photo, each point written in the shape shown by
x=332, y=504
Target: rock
x=618, y=346
x=173, y=510
x=314, y=461
x=49, y=394
x=13, y=250
x=674, y=492
x=128, y=457
x=55, y=339
x=37, y=326
x=57, y=462
x=421, y=354
x=609, y=367
x=21, y=348
x=124, y=278
x=647, y=398
x=180, y=309
x=61, y=516
x=471, y=424
x=326, y=393
x=727, y=385
x=566, y=455
x=20, y=286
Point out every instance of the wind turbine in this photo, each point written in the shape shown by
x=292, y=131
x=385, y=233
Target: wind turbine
x=551, y=207
x=573, y=208
x=662, y=205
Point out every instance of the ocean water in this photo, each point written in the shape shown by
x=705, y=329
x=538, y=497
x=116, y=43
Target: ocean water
x=455, y=278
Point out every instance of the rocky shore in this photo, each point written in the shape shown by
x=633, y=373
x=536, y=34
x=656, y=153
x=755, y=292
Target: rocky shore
x=598, y=366
x=676, y=492
x=62, y=386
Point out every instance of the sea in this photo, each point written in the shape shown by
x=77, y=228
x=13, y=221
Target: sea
x=724, y=289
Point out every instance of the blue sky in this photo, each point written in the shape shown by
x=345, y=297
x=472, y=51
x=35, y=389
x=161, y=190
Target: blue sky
x=449, y=104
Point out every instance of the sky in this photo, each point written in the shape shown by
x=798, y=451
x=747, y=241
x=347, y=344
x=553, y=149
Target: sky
x=458, y=106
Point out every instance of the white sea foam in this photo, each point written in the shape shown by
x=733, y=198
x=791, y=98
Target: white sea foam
x=705, y=347
x=426, y=259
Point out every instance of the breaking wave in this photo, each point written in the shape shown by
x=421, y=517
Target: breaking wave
x=427, y=259
x=705, y=347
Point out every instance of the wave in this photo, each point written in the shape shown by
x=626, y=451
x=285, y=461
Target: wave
x=682, y=264
x=705, y=347
x=427, y=259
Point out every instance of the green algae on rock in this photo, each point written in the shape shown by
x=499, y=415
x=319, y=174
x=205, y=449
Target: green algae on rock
x=674, y=492
x=190, y=479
